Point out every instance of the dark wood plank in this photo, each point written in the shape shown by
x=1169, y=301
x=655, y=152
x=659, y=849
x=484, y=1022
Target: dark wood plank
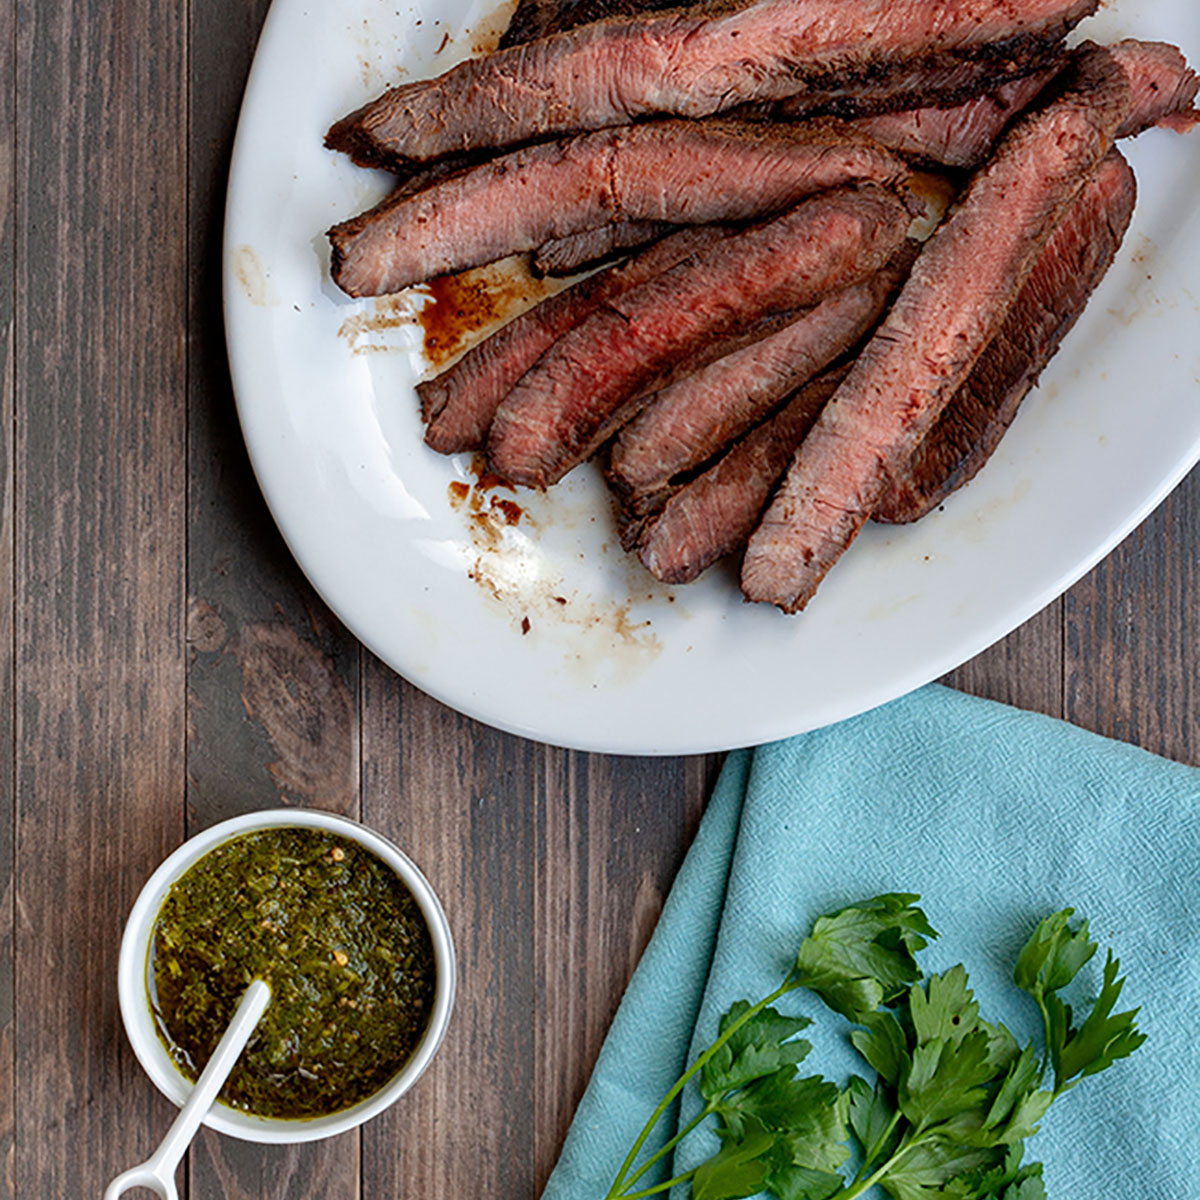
x=8, y=155
x=1133, y=635
x=1025, y=669
x=553, y=868
x=273, y=685
x=462, y=800
x=614, y=833
x=100, y=250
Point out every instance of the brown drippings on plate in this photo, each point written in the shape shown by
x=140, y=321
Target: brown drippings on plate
x=487, y=32
x=387, y=313
x=509, y=509
x=463, y=308
x=938, y=193
x=485, y=480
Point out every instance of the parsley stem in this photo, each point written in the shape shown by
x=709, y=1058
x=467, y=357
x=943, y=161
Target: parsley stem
x=873, y=1151
x=661, y=1187
x=859, y=1186
x=618, y=1184
x=702, y=1115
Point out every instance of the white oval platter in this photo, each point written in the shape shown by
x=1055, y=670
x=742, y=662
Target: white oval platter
x=545, y=628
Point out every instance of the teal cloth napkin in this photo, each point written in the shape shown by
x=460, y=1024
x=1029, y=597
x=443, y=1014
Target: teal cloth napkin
x=996, y=817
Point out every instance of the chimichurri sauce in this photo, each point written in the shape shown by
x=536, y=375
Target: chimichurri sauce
x=340, y=940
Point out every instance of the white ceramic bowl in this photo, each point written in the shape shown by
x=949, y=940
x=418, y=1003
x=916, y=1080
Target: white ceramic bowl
x=133, y=979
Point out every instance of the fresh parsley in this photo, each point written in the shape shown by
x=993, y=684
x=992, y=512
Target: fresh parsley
x=954, y=1097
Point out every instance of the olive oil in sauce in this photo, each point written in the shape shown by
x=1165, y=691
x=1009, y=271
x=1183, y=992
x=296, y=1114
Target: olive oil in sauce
x=342, y=943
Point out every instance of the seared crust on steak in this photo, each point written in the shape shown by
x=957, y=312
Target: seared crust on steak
x=1070, y=268
x=957, y=299
x=960, y=137
x=678, y=172
x=567, y=406
x=695, y=62
x=578, y=251
x=715, y=514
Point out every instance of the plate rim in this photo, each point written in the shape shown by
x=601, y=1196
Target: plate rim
x=862, y=701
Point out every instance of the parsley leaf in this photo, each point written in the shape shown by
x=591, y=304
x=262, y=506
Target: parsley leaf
x=738, y=1169
x=760, y=1046
x=954, y=1099
x=1051, y=960
x=864, y=956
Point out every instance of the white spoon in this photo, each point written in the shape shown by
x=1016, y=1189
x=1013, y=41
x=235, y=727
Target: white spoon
x=158, y=1171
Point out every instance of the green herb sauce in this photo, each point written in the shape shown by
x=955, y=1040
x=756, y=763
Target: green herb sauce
x=340, y=940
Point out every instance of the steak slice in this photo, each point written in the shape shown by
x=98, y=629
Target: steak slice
x=922, y=83
x=962, y=136
x=539, y=18
x=459, y=404
x=563, y=410
x=693, y=420
x=955, y=302
x=578, y=251
x=1074, y=261
x=694, y=62
x=715, y=514
x=1164, y=87
x=679, y=172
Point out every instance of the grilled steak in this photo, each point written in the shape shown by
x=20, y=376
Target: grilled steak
x=680, y=172
x=923, y=83
x=956, y=301
x=459, y=404
x=561, y=411
x=694, y=62
x=693, y=420
x=540, y=18
x=1164, y=87
x=1074, y=261
x=578, y=251
x=715, y=514
x=962, y=136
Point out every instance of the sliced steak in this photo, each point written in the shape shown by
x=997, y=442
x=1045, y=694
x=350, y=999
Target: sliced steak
x=958, y=297
x=1164, y=89
x=459, y=404
x=693, y=420
x=540, y=18
x=962, y=136
x=715, y=514
x=578, y=251
x=679, y=172
x=1164, y=86
x=561, y=411
x=694, y=62
x=1074, y=261
x=923, y=83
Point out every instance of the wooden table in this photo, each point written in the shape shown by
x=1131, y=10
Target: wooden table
x=165, y=665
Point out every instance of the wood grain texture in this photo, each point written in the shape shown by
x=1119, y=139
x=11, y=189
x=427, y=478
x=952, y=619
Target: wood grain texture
x=1025, y=669
x=100, y=250
x=461, y=799
x=273, y=678
x=615, y=831
x=553, y=868
x=164, y=665
x=1132, y=635
x=8, y=283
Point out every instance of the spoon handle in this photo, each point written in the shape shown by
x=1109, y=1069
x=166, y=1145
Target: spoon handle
x=160, y=1166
